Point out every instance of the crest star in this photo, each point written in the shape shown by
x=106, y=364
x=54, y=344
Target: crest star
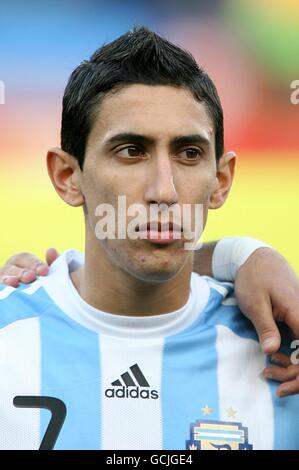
x=231, y=413
x=207, y=410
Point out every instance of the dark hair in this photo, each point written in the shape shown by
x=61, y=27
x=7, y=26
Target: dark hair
x=139, y=56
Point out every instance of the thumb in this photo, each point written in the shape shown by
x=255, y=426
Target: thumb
x=266, y=327
x=51, y=255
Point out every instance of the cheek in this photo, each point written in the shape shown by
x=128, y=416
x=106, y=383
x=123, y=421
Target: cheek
x=98, y=188
x=107, y=186
x=106, y=189
x=199, y=190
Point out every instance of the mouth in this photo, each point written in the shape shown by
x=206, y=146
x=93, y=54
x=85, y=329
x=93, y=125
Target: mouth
x=160, y=233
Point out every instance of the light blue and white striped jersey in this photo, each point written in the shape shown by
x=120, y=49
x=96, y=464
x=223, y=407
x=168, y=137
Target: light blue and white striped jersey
x=189, y=379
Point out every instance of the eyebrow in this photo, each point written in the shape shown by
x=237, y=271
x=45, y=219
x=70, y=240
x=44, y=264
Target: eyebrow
x=145, y=140
x=191, y=139
x=128, y=137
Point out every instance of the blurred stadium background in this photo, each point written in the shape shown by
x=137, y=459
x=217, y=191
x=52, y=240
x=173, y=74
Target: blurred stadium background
x=250, y=49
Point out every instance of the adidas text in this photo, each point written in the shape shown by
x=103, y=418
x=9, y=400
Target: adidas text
x=131, y=392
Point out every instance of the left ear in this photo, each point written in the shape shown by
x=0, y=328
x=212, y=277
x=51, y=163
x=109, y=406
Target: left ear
x=224, y=179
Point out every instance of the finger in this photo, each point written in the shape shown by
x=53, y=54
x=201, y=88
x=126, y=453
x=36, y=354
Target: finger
x=51, y=255
x=13, y=276
x=18, y=275
x=12, y=281
x=281, y=359
x=26, y=261
x=266, y=328
x=11, y=270
x=288, y=388
x=28, y=276
x=42, y=269
x=291, y=317
x=281, y=374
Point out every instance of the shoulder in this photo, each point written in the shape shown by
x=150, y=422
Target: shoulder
x=220, y=293
x=22, y=302
x=224, y=289
x=223, y=311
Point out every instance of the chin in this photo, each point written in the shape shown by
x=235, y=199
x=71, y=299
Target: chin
x=154, y=277
x=154, y=266
x=156, y=273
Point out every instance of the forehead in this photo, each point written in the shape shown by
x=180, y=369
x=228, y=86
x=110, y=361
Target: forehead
x=154, y=110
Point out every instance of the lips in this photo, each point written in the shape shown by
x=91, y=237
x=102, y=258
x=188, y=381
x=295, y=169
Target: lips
x=160, y=227
x=159, y=233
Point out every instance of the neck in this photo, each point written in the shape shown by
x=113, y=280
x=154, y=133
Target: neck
x=107, y=287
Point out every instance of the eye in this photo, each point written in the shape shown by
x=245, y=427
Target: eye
x=131, y=151
x=191, y=154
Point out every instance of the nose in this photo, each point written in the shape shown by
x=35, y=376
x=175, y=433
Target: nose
x=160, y=187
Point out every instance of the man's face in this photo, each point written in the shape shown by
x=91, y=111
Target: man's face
x=171, y=162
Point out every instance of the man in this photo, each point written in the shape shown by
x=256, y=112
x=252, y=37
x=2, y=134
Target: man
x=128, y=348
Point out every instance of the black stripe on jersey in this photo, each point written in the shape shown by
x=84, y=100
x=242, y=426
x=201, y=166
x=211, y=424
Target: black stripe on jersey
x=139, y=376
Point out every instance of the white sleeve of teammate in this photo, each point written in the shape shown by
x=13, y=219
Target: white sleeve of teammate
x=230, y=253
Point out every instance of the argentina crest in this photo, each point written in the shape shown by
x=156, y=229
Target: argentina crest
x=218, y=435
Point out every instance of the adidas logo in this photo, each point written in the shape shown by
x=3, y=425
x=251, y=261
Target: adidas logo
x=132, y=385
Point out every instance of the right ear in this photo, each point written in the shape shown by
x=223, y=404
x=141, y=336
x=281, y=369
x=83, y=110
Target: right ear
x=65, y=175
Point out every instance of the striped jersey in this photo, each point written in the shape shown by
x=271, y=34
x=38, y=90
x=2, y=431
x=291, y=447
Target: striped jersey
x=73, y=377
